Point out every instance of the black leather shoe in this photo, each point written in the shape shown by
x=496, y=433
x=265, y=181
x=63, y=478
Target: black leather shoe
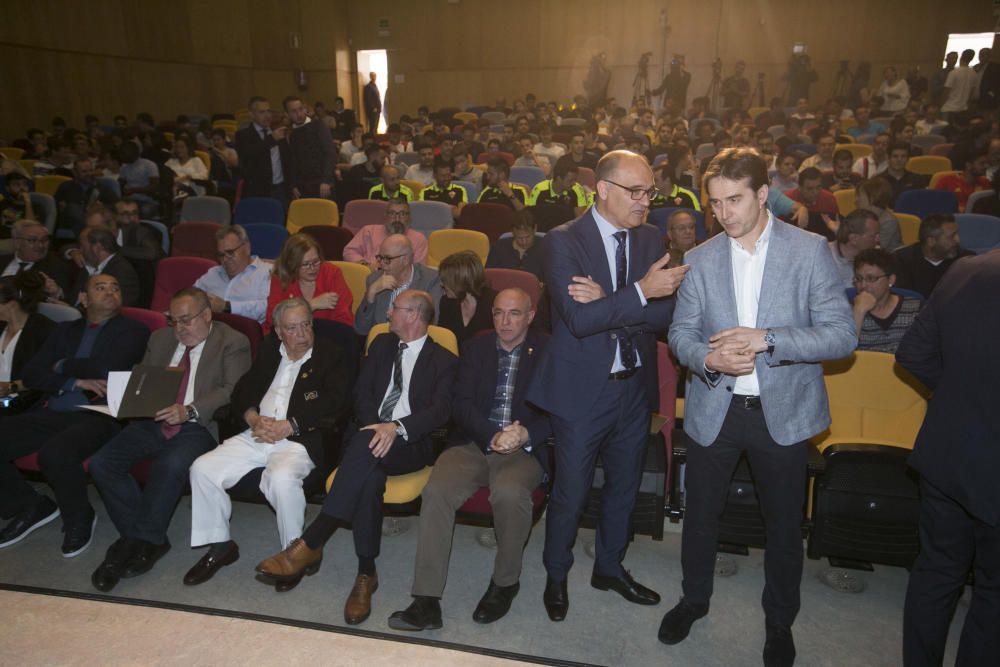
x=78, y=538
x=627, y=587
x=779, y=648
x=109, y=572
x=424, y=613
x=495, y=603
x=212, y=562
x=556, y=599
x=28, y=521
x=677, y=622
x=144, y=558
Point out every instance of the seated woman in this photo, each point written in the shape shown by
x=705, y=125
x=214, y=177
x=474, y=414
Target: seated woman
x=22, y=330
x=467, y=304
x=301, y=272
x=188, y=169
x=880, y=316
x=875, y=194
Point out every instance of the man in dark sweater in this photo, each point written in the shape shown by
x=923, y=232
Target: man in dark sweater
x=920, y=266
x=311, y=172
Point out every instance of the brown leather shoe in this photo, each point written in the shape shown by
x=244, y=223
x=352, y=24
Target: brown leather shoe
x=289, y=565
x=359, y=603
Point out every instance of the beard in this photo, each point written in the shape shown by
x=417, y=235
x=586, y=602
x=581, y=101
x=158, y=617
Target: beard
x=396, y=227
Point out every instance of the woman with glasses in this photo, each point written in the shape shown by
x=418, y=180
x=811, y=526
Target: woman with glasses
x=22, y=330
x=467, y=304
x=301, y=272
x=881, y=317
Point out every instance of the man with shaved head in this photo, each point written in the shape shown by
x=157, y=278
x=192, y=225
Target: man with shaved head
x=601, y=385
x=499, y=442
x=395, y=272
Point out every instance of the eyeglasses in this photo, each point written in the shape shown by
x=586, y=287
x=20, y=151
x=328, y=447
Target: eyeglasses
x=36, y=240
x=388, y=258
x=229, y=254
x=868, y=280
x=393, y=307
x=298, y=327
x=637, y=193
x=311, y=264
x=182, y=321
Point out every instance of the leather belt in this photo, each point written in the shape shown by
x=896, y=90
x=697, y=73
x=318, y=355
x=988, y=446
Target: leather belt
x=747, y=402
x=622, y=375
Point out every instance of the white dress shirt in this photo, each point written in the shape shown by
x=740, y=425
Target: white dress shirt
x=194, y=358
x=15, y=265
x=275, y=401
x=608, y=232
x=410, y=355
x=748, y=274
x=7, y=356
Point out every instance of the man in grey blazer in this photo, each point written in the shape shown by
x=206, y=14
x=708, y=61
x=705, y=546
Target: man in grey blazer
x=761, y=307
x=213, y=357
x=396, y=272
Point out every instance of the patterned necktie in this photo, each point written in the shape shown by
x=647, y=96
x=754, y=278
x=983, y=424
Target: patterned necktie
x=169, y=430
x=625, y=346
x=22, y=266
x=385, y=413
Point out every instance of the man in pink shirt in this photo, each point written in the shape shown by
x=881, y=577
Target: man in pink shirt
x=365, y=244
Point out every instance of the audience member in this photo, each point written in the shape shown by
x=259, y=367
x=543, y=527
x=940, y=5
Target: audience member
x=971, y=178
x=787, y=176
x=263, y=154
x=301, y=272
x=546, y=147
x=443, y=190
x=212, y=357
x=880, y=316
x=390, y=187
x=346, y=120
x=823, y=159
x=100, y=253
x=528, y=158
x=878, y=161
x=930, y=123
x=190, y=173
x=31, y=251
x=579, y=155
x=403, y=393
x=921, y=265
x=987, y=205
x=295, y=389
x=498, y=441
x=423, y=170
x=353, y=144
x=521, y=250
x=822, y=205
x=465, y=307
x=140, y=179
x=875, y=195
x=865, y=126
x=842, y=177
x=74, y=197
x=499, y=189
x=365, y=245
x=242, y=281
x=23, y=331
x=396, y=270
x=464, y=169
x=563, y=189
x=897, y=176
x=71, y=371
x=858, y=232
x=681, y=236
x=894, y=92
x=312, y=160
x=959, y=86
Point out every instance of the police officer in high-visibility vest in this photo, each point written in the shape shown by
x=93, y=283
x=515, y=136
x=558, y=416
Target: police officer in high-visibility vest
x=499, y=189
x=560, y=198
x=443, y=190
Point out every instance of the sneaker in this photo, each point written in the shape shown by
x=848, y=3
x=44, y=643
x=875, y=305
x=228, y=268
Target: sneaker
x=78, y=538
x=28, y=521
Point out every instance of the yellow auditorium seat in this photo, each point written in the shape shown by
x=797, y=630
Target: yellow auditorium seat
x=938, y=176
x=909, y=227
x=355, y=275
x=444, y=242
x=416, y=186
x=847, y=200
x=399, y=489
x=310, y=211
x=206, y=159
x=928, y=164
x=857, y=150
x=49, y=184
x=12, y=152
x=443, y=337
x=466, y=117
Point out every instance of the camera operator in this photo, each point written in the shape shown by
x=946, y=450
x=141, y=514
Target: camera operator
x=675, y=84
x=800, y=76
x=736, y=89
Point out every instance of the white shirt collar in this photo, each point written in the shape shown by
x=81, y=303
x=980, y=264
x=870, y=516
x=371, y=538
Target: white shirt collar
x=762, y=240
x=307, y=121
x=301, y=360
x=603, y=226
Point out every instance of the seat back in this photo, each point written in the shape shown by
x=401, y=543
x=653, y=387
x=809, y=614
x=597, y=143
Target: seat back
x=922, y=203
x=501, y=279
x=361, y=212
x=176, y=273
x=804, y=149
x=443, y=337
x=490, y=219
x=482, y=158
x=266, y=239
x=471, y=189
x=937, y=176
x=979, y=233
x=970, y=203
x=847, y=200
x=11, y=152
x=927, y=141
x=312, y=212
x=249, y=328
x=586, y=177
x=45, y=210
x=49, y=184
x=206, y=209
x=941, y=149
x=153, y=319
x=415, y=187
x=58, y=312
x=667, y=378
x=494, y=116
x=909, y=227
x=355, y=276
x=529, y=176
x=331, y=239
x=430, y=216
x=857, y=150
x=259, y=211
x=444, y=242
x=928, y=164
x=194, y=239
x=406, y=158
x=872, y=400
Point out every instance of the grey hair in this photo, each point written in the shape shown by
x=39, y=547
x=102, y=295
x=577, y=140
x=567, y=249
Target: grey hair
x=287, y=304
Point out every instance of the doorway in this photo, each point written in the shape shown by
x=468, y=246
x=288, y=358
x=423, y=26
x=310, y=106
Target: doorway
x=374, y=60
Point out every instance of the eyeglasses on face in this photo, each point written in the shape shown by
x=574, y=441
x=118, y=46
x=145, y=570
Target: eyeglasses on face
x=34, y=240
x=229, y=254
x=184, y=321
x=311, y=264
x=385, y=259
x=868, y=280
x=297, y=327
x=636, y=193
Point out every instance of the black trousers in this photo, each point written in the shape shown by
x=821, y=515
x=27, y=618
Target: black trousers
x=356, y=494
x=779, y=474
x=952, y=542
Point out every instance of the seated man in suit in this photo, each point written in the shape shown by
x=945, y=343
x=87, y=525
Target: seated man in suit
x=72, y=369
x=242, y=281
x=919, y=266
x=397, y=271
x=213, y=357
x=101, y=254
x=30, y=241
x=522, y=250
x=403, y=393
x=499, y=441
x=297, y=384
x=365, y=245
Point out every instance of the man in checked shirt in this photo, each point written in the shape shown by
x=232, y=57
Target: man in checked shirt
x=498, y=441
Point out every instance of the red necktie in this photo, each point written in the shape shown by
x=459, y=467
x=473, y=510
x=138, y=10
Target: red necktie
x=169, y=430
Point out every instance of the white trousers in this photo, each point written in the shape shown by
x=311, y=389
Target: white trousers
x=285, y=464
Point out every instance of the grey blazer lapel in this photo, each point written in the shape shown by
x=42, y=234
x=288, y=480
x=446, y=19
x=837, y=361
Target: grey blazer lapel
x=210, y=353
x=721, y=278
x=776, y=267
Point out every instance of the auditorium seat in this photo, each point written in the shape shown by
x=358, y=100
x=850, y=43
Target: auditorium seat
x=445, y=242
x=501, y=279
x=979, y=233
x=259, y=210
x=471, y=189
x=490, y=219
x=355, y=276
x=331, y=239
x=176, y=273
x=922, y=203
x=847, y=200
x=311, y=212
x=49, y=184
x=430, y=216
x=528, y=176
x=153, y=319
x=361, y=212
x=206, y=209
x=266, y=239
x=194, y=239
x=928, y=164
x=246, y=326
x=909, y=227
x=857, y=151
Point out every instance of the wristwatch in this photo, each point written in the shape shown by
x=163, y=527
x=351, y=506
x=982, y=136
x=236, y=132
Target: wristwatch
x=192, y=413
x=228, y=308
x=399, y=427
x=769, y=340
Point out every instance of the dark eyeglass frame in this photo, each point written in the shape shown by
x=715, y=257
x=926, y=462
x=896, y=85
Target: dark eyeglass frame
x=231, y=252
x=637, y=193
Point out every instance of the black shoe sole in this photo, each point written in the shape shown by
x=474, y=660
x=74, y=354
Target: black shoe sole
x=397, y=623
x=219, y=565
x=32, y=528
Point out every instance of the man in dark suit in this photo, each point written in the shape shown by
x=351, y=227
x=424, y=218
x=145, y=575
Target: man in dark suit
x=951, y=348
x=346, y=120
x=373, y=104
x=71, y=369
x=597, y=377
x=213, y=358
x=31, y=251
x=403, y=393
x=296, y=386
x=313, y=157
x=101, y=253
x=263, y=154
x=140, y=244
x=499, y=441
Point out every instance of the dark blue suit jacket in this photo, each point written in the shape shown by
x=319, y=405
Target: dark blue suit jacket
x=120, y=346
x=476, y=386
x=576, y=363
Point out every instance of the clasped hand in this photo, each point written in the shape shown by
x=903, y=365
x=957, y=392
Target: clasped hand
x=510, y=439
x=734, y=351
x=270, y=430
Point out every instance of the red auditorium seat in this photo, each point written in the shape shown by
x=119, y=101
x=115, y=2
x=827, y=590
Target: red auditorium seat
x=194, y=239
x=490, y=219
x=176, y=273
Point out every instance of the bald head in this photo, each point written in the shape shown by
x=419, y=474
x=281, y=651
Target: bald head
x=396, y=256
x=624, y=188
x=512, y=315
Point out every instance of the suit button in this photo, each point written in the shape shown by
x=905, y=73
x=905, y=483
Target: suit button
x=729, y=389
x=614, y=336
